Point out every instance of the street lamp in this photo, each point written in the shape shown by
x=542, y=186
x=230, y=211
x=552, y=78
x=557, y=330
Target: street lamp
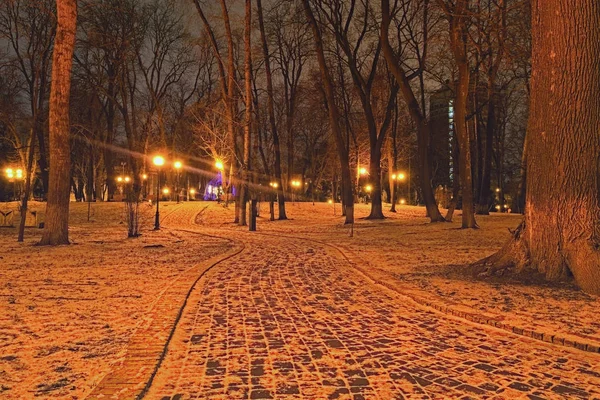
x=14, y=176
x=363, y=171
x=158, y=161
x=219, y=165
x=193, y=194
x=177, y=165
x=145, y=183
x=296, y=184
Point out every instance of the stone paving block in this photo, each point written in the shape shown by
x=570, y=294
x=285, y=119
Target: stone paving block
x=280, y=321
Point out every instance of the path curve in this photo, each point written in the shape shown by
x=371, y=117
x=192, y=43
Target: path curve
x=148, y=346
x=287, y=318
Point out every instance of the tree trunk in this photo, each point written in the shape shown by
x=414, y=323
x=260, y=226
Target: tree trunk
x=458, y=39
x=418, y=116
x=334, y=116
x=483, y=206
x=56, y=228
x=392, y=168
x=455, y=183
x=271, y=108
x=27, y=192
x=230, y=106
x=423, y=136
x=375, y=172
x=248, y=120
x=561, y=232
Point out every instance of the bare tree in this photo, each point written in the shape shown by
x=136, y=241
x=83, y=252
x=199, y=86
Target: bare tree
x=353, y=29
x=417, y=112
x=457, y=14
x=271, y=112
x=248, y=113
x=334, y=114
x=227, y=78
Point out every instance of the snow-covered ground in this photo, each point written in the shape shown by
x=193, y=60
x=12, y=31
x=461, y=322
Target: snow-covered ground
x=67, y=313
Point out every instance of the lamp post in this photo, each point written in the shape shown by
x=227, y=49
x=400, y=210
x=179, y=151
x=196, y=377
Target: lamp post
x=15, y=176
x=145, y=183
x=158, y=161
x=177, y=165
x=368, y=189
x=221, y=167
x=397, y=177
x=10, y=175
x=295, y=184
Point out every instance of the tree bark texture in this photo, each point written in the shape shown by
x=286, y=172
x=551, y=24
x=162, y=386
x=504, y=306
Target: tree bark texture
x=561, y=231
x=56, y=228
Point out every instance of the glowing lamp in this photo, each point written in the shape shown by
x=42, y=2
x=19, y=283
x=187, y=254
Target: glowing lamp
x=159, y=161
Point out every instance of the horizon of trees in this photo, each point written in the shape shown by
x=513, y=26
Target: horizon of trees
x=168, y=76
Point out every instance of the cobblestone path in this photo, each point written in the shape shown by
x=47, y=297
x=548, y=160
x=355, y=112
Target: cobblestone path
x=292, y=319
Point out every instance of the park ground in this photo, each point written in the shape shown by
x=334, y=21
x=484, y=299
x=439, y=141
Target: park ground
x=302, y=308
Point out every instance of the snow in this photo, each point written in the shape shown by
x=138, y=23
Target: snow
x=67, y=313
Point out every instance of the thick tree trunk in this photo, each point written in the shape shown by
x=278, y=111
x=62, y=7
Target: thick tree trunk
x=375, y=172
x=56, y=228
x=561, y=232
x=334, y=116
